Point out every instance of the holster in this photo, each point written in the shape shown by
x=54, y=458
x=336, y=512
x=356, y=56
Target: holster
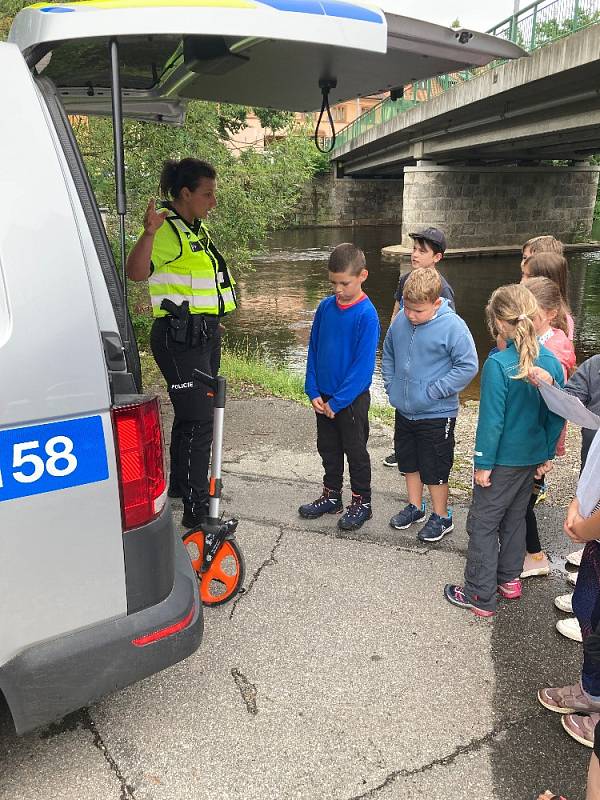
x=179, y=320
x=199, y=332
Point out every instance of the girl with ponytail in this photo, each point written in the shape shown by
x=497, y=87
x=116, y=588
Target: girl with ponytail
x=552, y=330
x=515, y=442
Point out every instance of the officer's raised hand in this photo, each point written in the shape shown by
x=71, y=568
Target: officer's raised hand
x=139, y=261
x=153, y=219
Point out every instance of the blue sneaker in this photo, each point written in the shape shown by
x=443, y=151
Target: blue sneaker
x=330, y=502
x=435, y=528
x=357, y=513
x=407, y=517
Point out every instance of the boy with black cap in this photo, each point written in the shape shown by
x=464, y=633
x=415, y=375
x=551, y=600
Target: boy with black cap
x=429, y=246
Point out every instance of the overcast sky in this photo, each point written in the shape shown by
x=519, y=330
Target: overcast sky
x=476, y=14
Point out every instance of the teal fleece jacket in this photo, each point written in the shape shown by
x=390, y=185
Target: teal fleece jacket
x=515, y=428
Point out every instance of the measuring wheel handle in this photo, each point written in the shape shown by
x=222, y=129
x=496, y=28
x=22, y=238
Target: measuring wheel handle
x=217, y=560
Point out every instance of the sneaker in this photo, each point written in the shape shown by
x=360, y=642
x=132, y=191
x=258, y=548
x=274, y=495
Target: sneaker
x=330, y=502
x=456, y=595
x=357, y=513
x=391, y=460
x=435, y=528
x=511, y=590
x=407, y=517
x=564, y=602
x=535, y=564
x=575, y=558
x=572, y=578
x=567, y=700
x=569, y=627
x=581, y=727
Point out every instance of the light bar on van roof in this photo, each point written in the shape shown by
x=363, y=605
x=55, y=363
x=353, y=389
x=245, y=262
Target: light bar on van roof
x=327, y=22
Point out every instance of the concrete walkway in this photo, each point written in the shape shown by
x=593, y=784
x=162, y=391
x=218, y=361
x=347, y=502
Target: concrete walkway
x=340, y=672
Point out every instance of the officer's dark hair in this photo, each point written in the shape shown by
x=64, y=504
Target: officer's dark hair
x=347, y=257
x=175, y=175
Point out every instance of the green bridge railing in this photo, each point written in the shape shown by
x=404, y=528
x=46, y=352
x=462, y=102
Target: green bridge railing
x=534, y=26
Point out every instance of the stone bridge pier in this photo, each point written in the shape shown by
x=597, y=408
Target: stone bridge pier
x=493, y=206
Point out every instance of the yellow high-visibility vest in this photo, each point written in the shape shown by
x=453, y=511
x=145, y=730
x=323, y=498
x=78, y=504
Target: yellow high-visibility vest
x=196, y=273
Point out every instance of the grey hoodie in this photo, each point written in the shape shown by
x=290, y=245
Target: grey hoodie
x=585, y=384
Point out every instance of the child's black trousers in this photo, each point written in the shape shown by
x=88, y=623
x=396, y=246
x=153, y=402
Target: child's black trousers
x=346, y=434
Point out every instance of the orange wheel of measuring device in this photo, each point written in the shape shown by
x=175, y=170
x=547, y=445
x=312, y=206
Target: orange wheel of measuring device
x=224, y=578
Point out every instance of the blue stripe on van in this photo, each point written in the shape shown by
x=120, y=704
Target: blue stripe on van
x=330, y=8
x=48, y=458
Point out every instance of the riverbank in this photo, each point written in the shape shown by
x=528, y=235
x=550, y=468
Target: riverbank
x=397, y=252
x=250, y=376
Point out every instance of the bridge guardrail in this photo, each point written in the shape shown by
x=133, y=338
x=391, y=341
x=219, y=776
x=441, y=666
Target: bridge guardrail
x=534, y=26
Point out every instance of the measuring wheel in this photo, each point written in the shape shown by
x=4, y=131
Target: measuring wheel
x=224, y=577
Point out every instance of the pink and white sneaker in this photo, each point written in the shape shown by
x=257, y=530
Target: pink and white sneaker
x=511, y=590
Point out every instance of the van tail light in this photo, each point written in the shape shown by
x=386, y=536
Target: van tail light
x=140, y=457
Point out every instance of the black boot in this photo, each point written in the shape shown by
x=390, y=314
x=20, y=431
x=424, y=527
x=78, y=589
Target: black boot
x=330, y=502
x=194, y=516
x=357, y=513
x=174, y=490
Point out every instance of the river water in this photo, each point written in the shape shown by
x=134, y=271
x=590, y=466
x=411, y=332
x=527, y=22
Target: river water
x=279, y=297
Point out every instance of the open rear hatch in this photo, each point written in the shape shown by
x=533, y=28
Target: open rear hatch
x=271, y=53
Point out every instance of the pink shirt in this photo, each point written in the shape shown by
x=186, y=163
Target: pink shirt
x=562, y=347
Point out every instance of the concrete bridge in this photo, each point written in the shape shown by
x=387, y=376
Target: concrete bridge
x=477, y=159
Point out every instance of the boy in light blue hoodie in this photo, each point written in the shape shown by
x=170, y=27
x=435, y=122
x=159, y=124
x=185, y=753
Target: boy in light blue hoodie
x=429, y=357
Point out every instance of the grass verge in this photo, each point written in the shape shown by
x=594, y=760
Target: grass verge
x=249, y=373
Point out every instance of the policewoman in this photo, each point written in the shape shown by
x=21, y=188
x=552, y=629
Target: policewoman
x=191, y=290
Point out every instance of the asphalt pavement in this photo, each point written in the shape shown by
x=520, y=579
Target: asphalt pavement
x=340, y=671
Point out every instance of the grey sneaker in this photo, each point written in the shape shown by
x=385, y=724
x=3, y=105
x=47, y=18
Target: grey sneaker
x=390, y=461
x=435, y=528
x=407, y=517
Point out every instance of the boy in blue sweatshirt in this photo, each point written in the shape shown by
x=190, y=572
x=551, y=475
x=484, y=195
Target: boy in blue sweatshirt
x=339, y=369
x=428, y=358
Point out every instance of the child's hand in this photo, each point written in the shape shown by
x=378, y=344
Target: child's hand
x=318, y=404
x=327, y=411
x=482, y=477
x=536, y=375
x=542, y=469
x=572, y=518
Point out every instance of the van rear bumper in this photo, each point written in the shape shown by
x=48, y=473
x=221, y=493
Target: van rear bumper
x=48, y=680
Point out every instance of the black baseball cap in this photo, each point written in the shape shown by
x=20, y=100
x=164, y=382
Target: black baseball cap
x=433, y=236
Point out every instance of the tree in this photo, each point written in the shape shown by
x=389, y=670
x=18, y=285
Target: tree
x=274, y=120
x=455, y=24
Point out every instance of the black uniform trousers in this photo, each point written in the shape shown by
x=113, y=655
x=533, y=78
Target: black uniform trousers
x=191, y=434
x=347, y=433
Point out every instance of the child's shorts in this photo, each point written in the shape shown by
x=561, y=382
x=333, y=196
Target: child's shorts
x=425, y=446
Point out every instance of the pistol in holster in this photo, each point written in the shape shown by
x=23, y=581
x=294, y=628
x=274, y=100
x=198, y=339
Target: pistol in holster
x=179, y=319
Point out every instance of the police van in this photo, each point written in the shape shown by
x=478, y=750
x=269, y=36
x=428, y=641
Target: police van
x=97, y=588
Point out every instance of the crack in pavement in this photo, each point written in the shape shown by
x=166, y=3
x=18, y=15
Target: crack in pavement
x=247, y=690
x=463, y=749
x=82, y=719
x=268, y=562
x=401, y=544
